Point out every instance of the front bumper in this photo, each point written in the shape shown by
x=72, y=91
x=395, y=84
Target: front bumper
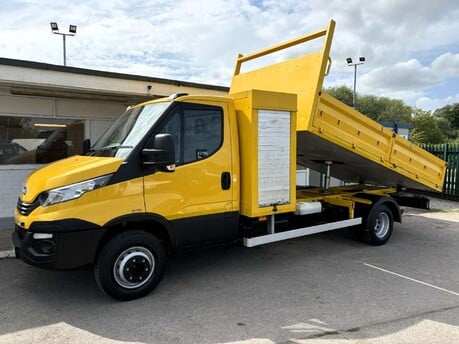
x=65, y=250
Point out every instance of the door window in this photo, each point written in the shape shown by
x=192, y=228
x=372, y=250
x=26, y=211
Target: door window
x=197, y=131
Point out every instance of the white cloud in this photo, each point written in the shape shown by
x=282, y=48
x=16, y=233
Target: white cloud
x=401, y=76
x=446, y=65
x=411, y=47
x=430, y=104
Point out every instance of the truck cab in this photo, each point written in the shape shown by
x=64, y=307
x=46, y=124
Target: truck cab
x=124, y=182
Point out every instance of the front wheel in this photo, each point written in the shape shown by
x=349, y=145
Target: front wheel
x=379, y=225
x=130, y=265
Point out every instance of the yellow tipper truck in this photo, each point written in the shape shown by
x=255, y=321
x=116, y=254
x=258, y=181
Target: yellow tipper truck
x=189, y=171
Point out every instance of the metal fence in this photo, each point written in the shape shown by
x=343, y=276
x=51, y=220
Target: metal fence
x=450, y=154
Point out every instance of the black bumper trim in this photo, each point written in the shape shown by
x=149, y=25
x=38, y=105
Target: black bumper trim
x=62, y=226
x=66, y=250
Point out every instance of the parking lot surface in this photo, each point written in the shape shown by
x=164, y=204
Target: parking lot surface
x=325, y=288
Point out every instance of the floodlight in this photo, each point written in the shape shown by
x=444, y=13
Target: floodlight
x=355, y=64
x=72, y=32
x=54, y=26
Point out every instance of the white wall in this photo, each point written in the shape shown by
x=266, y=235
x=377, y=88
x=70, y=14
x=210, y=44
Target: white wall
x=12, y=177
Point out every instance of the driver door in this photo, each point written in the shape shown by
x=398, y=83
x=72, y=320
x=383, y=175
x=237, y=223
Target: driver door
x=196, y=198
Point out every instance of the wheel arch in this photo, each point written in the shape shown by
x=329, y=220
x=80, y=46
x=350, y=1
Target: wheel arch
x=152, y=223
x=378, y=200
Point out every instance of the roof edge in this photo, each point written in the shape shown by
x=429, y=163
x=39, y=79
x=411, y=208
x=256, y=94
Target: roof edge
x=84, y=71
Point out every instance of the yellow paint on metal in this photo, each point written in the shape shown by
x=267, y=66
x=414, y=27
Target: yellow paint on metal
x=98, y=206
x=343, y=196
x=346, y=192
x=364, y=151
x=346, y=127
x=68, y=171
x=302, y=76
x=194, y=189
x=247, y=105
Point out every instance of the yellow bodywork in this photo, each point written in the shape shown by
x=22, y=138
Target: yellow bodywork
x=360, y=149
x=247, y=105
x=98, y=206
x=194, y=189
x=68, y=171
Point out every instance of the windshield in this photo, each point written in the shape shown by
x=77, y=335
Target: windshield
x=128, y=130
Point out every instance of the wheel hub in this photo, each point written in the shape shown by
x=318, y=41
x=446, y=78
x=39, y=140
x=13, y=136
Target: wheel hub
x=382, y=225
x=134, y=267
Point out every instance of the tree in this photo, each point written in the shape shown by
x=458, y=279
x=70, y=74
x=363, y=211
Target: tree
x=369, y=106
x=426, y=129
x=377, y=108
x=448, y=121
x=341, y=93
x=396, y=110
x=450, y=113
x=448, y=131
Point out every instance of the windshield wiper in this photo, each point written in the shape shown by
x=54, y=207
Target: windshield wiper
x=113, y=146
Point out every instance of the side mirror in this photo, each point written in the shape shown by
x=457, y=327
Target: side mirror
x=162, y=155
x=86, y=146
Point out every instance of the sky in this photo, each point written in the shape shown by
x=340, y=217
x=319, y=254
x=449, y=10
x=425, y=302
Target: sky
x=411, y=47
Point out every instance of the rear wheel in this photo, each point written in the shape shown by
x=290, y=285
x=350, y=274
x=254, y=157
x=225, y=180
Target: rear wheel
x=130, y=265
x=379, y=225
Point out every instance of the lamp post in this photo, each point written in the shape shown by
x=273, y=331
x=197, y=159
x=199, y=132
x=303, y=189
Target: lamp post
x=355, y=64
x=72, y=32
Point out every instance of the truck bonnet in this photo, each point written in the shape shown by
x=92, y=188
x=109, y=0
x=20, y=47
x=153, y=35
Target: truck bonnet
x=67, y=171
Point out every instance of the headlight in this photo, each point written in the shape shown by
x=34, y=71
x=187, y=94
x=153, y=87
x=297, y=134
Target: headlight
x=73, y=191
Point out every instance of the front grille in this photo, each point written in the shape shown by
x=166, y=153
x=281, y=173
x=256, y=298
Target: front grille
x=26, y=208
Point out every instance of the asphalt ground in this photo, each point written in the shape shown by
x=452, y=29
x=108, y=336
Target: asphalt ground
x=325, y=288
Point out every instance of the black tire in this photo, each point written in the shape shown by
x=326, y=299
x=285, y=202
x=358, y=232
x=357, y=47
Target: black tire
x=379, y=225
x=130, y=265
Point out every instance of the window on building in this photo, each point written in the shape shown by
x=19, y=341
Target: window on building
x=39, y=140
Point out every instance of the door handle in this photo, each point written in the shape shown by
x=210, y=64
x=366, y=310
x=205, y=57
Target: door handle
x=226, y=181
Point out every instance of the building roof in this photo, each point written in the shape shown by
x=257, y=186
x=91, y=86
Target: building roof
x=395, y=124
x=85, y=71
x=29, y=78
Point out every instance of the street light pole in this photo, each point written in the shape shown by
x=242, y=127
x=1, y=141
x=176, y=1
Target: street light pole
x=355, y=64
x=72, y=32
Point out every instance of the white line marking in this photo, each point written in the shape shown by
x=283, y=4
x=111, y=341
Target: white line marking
x=412, y=279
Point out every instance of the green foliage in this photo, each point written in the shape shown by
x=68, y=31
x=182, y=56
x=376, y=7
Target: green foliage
x=342, y=93
x=440, y=127
x=450, y=113
x=384, y=109
x=448, y=121
x=445, y=126
x=426, y=129
x=377, y=108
